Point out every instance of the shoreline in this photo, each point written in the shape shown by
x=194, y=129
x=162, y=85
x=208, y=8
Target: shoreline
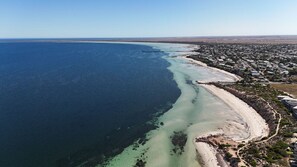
x=253, y=127
x=250, y=126
x=256, y=125
x=199, y=63
x=244, y=124
x=208, y=155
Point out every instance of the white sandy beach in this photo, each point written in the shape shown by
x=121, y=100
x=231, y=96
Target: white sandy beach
x=256, y=125
x=248, y=125
x=208, y=154
x=252, y=127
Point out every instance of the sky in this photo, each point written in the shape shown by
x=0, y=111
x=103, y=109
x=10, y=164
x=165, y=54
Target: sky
x=145, y=18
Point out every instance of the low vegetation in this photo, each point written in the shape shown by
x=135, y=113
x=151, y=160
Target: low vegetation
x=275, y=150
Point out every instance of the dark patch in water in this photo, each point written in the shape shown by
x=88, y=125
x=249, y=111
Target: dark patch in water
x=178, y=139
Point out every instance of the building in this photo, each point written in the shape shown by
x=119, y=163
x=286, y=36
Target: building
x=290, y=103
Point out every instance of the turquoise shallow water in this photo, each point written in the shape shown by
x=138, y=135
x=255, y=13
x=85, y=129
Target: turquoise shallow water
x=195, y=112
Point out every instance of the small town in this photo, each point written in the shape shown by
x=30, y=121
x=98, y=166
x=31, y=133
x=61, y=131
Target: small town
x=253, y=62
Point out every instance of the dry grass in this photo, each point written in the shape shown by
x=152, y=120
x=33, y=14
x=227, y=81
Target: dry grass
x=288, y=88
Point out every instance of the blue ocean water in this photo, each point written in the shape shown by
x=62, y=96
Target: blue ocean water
x=62, y=104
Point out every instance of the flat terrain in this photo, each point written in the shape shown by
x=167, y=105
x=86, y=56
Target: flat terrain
x=276, y=39
x=289, y=88
x=281, y=39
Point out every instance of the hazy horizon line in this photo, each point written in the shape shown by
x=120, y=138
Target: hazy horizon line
x=202, y=36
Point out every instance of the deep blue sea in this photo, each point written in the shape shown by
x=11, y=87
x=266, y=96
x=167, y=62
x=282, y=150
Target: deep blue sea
x=62, y=104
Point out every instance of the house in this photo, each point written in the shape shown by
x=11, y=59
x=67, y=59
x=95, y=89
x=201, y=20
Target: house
x=255, y=73
x=280, y=97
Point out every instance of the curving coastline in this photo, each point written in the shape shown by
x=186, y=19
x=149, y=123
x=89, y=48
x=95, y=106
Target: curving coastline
x=251, y=128
x=200, y=112
x=199, y=63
